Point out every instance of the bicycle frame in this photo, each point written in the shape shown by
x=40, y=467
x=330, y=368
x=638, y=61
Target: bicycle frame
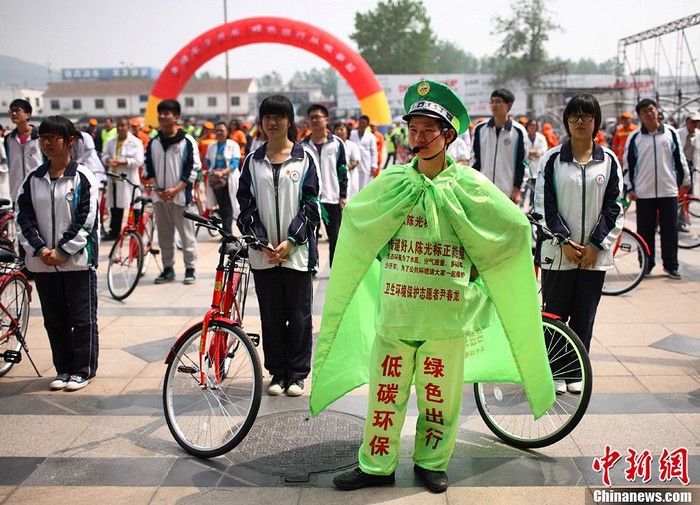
x=225, y=306
x=13, y=327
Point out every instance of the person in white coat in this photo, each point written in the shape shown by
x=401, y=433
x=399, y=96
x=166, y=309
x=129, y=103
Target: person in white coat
x=352, y=153
x=368, y=151
x=123, y=154
x=223, y=158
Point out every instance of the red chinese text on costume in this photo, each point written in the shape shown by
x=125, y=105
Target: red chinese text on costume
x=391, y=366
x=386, y=393
x=434, y=367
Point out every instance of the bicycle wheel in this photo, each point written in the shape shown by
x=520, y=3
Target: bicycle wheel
x=9, y=230
x=148, y=239
x=527, y=197
x=124, y=265
x=630, y=262
x=689, y=224
x=14, y=296
x=504, y=407
x=211, y=420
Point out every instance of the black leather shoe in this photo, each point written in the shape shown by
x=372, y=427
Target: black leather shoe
x=357, y=479
x=434, y=481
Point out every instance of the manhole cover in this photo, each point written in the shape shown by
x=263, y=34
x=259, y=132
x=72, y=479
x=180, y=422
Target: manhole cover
x=294, y=443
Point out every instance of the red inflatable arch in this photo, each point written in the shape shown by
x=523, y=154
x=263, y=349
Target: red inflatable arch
x=258, y=30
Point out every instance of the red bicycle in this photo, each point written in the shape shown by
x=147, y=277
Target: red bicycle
x=8, y=228
x=15, y=296
x=131, y=253
x=213, y=383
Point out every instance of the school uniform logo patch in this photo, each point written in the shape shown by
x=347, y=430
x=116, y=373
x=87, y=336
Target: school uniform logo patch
x=506, y=141
x=295, y=175
x=70, y=196
x=600, y=180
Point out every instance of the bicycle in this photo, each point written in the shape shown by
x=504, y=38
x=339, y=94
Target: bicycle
x=213, y=383
x=8, y=228
x=15, y=297
x=504, y=406
x=196, y=206
x=104, y=214
x=630, y=263
x=688, y=221
x=131, y=253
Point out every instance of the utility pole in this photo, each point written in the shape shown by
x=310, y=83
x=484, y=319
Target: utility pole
x=228, y=84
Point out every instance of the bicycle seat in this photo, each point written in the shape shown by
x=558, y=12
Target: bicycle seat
x=234, y=249
x=4, y=202
x=144, y=199
x=7, y=256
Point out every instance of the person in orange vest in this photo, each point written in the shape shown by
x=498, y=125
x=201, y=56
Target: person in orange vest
x=135, y=126
x=625, y=127
x=600, y=139
x=549, y=134
x=207, y=137
x=238, y=136
x=380, y=144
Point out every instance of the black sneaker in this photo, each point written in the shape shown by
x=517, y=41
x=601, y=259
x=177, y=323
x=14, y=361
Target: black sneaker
x=433, y=481
x=60, y=382
x=673, y=274
x=77, y=382
x=277, y=385
x=190, y=277
x=295, y=387
x=167, y=275
x=357, y=479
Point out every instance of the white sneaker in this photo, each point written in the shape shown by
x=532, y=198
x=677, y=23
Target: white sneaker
x=77, y=382
x=295, y=388
x=575, y=387
x=276, y=386
x=559, y=387
x=59, y=382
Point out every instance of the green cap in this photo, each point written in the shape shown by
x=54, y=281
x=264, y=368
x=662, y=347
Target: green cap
x=434, y=99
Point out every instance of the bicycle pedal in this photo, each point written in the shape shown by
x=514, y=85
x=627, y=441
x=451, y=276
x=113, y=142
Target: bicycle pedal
x=12, y=356
x=255, y=338
x=155, y=251
x=188, y=369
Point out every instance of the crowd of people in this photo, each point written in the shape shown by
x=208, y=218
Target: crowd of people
x=380, y=196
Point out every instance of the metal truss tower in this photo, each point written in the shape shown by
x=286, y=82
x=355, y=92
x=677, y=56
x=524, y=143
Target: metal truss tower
x=682, y=90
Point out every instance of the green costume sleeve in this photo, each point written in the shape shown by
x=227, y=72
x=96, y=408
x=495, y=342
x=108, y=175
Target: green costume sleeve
x=495, y=235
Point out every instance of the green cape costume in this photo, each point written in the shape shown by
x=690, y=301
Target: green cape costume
x=496, y=236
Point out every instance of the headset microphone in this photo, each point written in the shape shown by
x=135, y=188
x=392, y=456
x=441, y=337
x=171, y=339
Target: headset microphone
x=418, y=149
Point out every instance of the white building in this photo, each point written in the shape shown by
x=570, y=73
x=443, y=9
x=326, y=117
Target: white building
x=128, y=97
x=8, y=93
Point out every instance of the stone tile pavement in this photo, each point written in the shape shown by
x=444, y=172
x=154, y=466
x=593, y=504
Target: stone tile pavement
x=109, y=443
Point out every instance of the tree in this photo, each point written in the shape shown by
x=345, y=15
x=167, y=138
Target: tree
x=449, y=59
x=524, y=35
x=396, y=37
x=326, y=78
x=270, y=82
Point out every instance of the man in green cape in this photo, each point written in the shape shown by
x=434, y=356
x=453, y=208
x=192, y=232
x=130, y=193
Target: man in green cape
x=432, y=284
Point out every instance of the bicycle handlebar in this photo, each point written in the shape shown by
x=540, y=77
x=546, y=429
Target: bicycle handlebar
x=123, y=177
x=215, y=223
x=535, y=219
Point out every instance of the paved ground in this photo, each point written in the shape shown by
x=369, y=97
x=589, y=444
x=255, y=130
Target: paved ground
x=109, y=443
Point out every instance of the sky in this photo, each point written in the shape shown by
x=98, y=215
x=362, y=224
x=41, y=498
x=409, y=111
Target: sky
x=85, y=33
